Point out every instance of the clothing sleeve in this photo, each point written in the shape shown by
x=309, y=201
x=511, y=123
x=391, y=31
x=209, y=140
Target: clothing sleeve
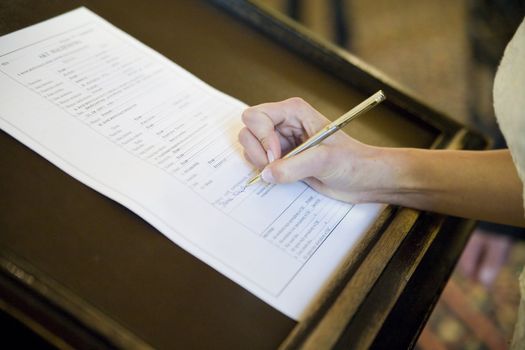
x=509, y=105
x=509, y=99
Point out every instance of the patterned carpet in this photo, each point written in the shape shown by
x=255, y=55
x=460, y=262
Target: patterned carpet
x=471, y=315
x=446, y=53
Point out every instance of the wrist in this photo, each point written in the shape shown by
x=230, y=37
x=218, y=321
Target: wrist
x=393, y=175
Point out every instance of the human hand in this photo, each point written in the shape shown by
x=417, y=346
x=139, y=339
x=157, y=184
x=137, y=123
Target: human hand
x=339, y=167
x=484, y=256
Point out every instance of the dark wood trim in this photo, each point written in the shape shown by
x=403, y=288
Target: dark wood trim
x=408, y=316
x=56, y=313
x=326, y=300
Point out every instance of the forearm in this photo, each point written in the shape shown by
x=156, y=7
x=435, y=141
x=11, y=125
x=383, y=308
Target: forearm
x=473, y=184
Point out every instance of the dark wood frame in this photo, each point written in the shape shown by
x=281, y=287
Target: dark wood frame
x=382, y=295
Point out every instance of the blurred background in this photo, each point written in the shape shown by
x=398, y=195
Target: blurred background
x=446, y=52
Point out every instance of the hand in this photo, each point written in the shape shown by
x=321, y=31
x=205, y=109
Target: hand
x=338, y=167
x=484, y=256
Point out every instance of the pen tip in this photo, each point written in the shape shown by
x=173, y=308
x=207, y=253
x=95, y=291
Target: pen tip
x=253, y=180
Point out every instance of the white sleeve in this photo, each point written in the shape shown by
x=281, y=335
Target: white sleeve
x=509, y=99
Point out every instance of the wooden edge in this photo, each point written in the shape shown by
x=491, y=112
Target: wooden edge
x=34, y=296
x=423, y=291
x=333, y=323
x=36, y=327
x=319, y=307
x=426, y=236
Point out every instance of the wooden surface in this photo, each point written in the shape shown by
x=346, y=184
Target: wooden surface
x=102, y=262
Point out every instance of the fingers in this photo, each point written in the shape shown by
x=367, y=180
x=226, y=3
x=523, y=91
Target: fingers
x=293, y=117
x=262, y=127
x=313, y=162
x=253, y=150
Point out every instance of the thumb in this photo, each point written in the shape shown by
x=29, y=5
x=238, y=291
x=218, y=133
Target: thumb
x=310, y=163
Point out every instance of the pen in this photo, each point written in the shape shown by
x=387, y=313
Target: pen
x=331, y=128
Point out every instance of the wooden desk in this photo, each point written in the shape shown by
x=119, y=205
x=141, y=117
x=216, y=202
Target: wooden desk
x=83, y=270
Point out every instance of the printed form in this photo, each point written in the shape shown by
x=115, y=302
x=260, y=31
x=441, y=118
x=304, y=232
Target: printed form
x=138, y=128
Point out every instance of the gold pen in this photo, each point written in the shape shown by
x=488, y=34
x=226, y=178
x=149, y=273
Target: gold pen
x=331, y=128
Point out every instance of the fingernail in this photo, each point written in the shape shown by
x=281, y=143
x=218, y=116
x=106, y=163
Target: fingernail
x=270, y=155
x=267, y=175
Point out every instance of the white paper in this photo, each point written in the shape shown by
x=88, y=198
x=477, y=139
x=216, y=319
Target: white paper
x=136, y=127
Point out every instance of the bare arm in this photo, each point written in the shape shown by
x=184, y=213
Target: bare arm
x=473, y=184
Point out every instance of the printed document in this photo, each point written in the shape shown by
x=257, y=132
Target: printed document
x=131, y=124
